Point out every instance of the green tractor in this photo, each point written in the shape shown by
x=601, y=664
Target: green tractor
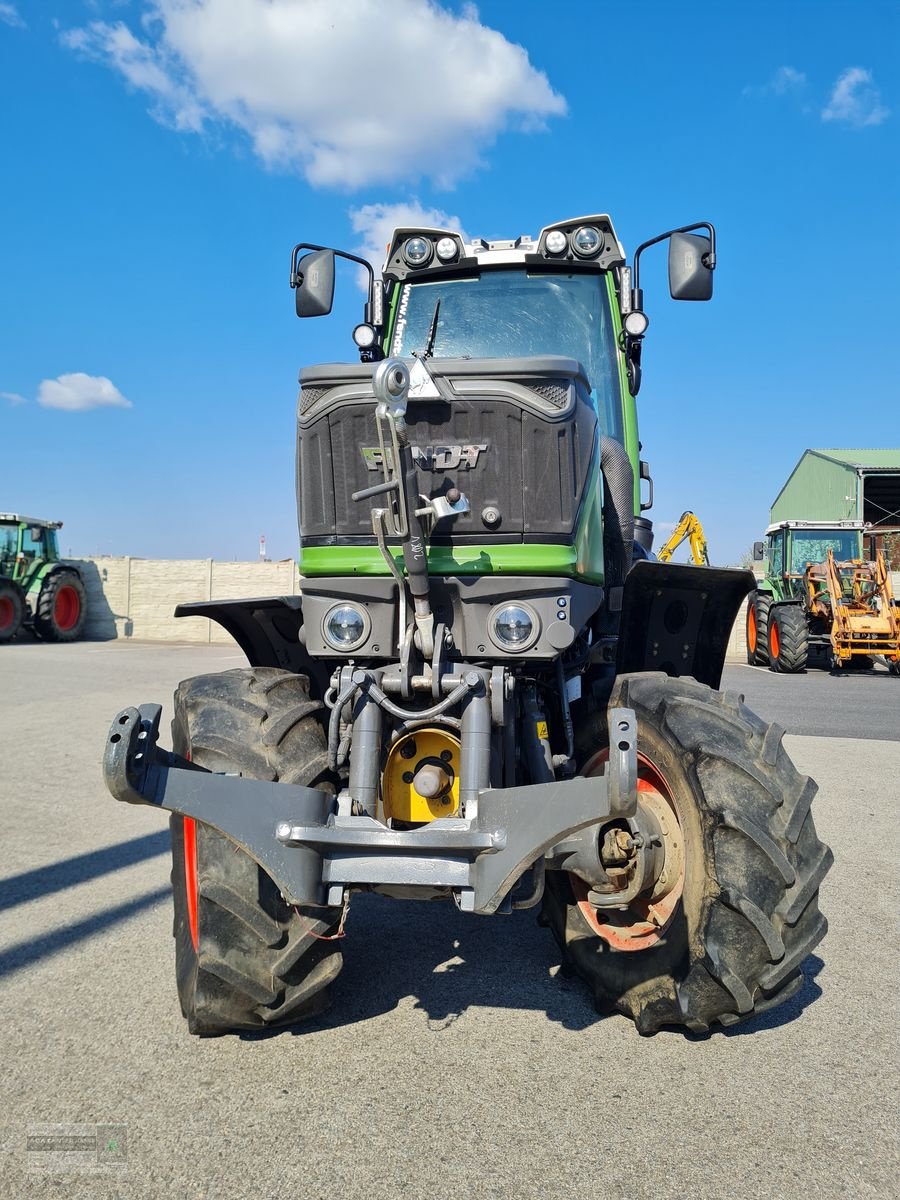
x=487, y=695
x=36, y=589
x=821, y=602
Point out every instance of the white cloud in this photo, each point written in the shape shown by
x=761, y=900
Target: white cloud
x=855, y=100
x=350, y=92
x=79, y=392
x=13, y=397
x=376, y=223
x=9, y=15
x=786, y=80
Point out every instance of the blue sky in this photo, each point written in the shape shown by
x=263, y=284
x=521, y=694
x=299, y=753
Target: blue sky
x=158, y=160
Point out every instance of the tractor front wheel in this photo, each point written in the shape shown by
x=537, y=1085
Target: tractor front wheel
x=730, y=910
x=788, y=639
x=244, y=957
x=12, y=609
x=61, y=609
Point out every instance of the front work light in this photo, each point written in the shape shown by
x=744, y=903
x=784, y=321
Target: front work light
x=345, y=627
x=447, y=249
x=635, y=323
x=586, y=241
x=556, y=242
x=364, y=336
x=417, y=251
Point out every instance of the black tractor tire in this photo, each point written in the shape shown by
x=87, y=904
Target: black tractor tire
x=244, y=958
x=12, y=609
x=758, y=629
x=61, y=611
x=748, y=913
x=788, y=639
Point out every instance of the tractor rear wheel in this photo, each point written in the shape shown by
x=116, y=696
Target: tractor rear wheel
x=788, y=639
x=758, y=629
x=244, y=958
x=61, y=610
x=12, y=609
x=723, y=930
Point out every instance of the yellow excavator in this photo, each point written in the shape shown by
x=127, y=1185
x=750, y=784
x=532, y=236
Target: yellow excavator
x=690, y=530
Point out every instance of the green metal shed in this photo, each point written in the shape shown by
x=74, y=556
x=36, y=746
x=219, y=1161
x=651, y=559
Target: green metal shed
x=842, y=485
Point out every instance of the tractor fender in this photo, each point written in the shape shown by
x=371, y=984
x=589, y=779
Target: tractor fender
x=678, y=619
x=269, y=630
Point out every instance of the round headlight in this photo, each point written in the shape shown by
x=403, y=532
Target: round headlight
x=417, y=251
x=514, y=627
x=364, y=336
x=635, y=323
x=556, y=242
x=586, y=241
x=345, y=626
x=447, y=249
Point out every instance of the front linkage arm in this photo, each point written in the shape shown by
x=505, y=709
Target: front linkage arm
x=312, y=852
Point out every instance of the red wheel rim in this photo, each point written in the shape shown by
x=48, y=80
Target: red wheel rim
x=751, y=629
x=66, y=608
x=190, y=877
x=7, y=613
x=774, y=639
x=643, y=923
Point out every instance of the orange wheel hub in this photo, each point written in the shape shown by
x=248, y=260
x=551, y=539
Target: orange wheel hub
x=642, y=923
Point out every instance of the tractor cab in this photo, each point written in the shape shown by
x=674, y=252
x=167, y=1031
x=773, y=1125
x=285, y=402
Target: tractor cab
x=791, y=546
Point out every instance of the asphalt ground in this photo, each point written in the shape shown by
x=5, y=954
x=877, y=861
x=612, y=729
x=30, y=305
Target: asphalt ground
x=856, y=704
x=455, y=1061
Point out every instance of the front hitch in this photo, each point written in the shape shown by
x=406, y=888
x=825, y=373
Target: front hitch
x=313, y=852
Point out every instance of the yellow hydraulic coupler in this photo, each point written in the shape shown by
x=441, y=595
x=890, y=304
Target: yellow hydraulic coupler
x=421, y=776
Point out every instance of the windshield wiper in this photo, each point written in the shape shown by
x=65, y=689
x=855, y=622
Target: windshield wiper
x=432, y=334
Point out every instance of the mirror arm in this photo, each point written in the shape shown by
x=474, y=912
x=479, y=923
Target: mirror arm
x=374, y=314
x=709, y=259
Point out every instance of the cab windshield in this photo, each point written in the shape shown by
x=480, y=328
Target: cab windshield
x=514, y=314
x=812, y=546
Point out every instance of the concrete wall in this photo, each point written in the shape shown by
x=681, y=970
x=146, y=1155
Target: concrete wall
x=136, y=597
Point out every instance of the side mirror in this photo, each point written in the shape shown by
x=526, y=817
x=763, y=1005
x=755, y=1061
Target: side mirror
x=690, y=278
x=314, y=294
x=759, y=551
x=36, y=532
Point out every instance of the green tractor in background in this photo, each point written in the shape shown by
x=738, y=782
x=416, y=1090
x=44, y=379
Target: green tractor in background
x=776, y=615
x=36, y=589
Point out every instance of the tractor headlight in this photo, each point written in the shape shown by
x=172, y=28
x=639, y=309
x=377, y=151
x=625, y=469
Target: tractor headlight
x=417, y=251
x=514, y=627
x=447, y=249
x=345, y=626
x=586, y=241
x=556, y=242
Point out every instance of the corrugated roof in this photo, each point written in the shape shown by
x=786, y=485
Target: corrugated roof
x=862, y=458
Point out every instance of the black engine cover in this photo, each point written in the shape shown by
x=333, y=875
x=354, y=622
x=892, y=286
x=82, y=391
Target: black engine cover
x=516, y=435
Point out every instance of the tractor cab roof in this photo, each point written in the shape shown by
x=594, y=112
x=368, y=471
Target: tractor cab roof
x=823, y=525
x=580, y=243
x=21, y=519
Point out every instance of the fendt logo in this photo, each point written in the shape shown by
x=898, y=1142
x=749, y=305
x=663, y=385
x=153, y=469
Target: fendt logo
x=432, y=458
